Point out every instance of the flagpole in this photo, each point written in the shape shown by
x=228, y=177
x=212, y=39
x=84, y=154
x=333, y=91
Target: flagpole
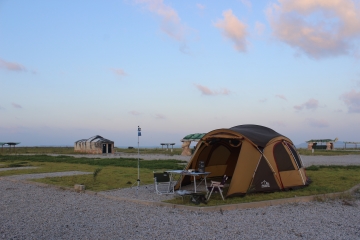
x=138, y=179
x=139, y=134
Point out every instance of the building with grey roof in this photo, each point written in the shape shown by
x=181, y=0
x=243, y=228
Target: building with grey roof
x=94, y=145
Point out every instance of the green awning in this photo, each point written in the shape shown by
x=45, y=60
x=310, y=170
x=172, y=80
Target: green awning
x=193, y=137
x=9, y=143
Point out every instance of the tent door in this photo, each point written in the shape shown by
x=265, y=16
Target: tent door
x=264, y=179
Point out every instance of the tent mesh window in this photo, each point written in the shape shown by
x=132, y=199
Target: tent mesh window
x=282, y=158
x=295, y=154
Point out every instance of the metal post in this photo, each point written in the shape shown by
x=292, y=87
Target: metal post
x=138, y=180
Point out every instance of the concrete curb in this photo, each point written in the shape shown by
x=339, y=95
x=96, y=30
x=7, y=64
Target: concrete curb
x=229, y=207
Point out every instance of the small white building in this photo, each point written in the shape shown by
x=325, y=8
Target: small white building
x=94, y=145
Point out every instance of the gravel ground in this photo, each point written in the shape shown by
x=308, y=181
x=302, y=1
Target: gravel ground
x=33, y=212
x=331, y=160
x=29, y=211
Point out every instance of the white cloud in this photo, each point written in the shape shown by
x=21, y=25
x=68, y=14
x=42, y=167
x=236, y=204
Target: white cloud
x=247, y=3
x=135, y=113
x=160, y=116
x=281, y=96
x=352, y=101
x=320, y=28
x=119, y=72
x=235, y=30
x=200, y=6
x=310, y=104
x=15, y=105
x=170, y=21
x=206, y=91
x=11, y=66
x=317, y=123
x=259, y=28
x=263, y=100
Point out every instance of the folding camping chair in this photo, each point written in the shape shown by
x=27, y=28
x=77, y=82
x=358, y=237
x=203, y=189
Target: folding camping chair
x=216, y=187
x=163, y=184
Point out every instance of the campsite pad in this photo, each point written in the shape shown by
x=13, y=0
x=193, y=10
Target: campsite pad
x=147, y=192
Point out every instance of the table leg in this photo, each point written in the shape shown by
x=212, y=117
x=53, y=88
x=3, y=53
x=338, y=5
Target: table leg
x=205, y=184
x=195, y=183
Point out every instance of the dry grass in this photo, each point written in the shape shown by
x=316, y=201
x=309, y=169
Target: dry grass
x=70, y=150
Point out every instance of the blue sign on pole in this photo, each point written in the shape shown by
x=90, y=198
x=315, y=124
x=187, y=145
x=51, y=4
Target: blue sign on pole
x=139, y=131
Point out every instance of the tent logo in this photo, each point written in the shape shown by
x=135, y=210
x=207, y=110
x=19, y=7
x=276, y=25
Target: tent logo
x=265, y=184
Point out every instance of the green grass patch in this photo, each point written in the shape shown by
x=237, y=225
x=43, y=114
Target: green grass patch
x=47, y=167
x=70, y=150
x=14, y=165
x=39, y=150
x=176, y=151
x=119, y=162
x=326, y=179
x=322, y=152
x=115, y=173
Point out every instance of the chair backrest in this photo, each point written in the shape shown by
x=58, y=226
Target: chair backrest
x=225, y=178
x=162, y=177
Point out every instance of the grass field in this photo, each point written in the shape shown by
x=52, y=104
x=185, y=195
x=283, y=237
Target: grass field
x=176, y=151
x=70, y=150
x=121, y=173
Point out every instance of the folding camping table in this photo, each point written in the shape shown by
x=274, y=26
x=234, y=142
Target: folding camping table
x=194, y=174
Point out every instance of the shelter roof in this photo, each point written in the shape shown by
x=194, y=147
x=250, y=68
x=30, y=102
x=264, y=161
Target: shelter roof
x=9, y=143
x=96, y=138
x=259, y=135
x=321, y=140
x=193, y=137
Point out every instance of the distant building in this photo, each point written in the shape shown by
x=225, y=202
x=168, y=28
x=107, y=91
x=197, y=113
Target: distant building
x=327, y=144
x=94, y=145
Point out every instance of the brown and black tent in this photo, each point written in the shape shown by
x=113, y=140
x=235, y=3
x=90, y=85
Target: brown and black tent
x=256, y=158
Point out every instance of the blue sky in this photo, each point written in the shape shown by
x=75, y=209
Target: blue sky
x=73, y=69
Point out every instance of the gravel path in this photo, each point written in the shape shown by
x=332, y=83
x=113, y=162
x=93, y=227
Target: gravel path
x=29, y=211
x=33, y=212
x=331, y=160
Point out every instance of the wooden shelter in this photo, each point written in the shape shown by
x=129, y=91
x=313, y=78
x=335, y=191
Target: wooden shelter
x=327, y=144
x=10, y=144
x=94, y=145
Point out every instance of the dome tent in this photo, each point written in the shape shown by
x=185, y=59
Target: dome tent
x=256, y=158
